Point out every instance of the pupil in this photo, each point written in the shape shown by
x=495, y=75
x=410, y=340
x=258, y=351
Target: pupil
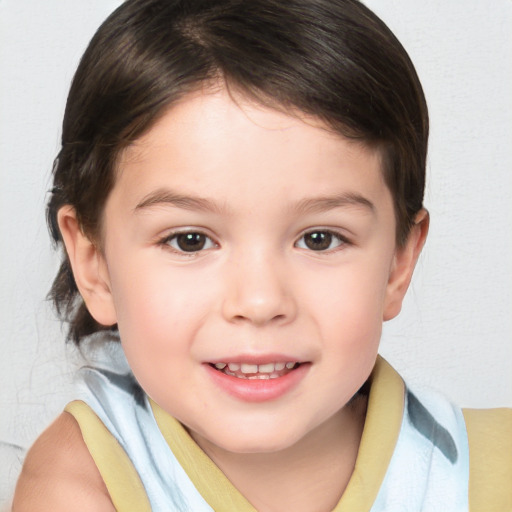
x=318, y=241
x=190, y=242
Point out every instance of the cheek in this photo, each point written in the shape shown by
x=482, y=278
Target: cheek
x=159, y=316
x=351, y=295
x=158, y=306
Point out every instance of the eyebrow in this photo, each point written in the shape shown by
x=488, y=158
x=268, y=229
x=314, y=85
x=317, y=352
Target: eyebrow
x=326, y=203
x=168, y=197
x=308, y=205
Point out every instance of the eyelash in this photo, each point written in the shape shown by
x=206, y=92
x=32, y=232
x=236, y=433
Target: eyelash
x=332, y=236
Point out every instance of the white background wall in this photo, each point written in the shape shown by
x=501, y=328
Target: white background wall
x=455, y=332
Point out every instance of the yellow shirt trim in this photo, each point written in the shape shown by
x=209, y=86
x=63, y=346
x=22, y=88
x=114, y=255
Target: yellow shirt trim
x=490, y=459
x=122, y=480
x=208, y=479
x=380, y=434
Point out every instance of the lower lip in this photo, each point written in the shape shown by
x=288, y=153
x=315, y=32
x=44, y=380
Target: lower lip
x=258, y=390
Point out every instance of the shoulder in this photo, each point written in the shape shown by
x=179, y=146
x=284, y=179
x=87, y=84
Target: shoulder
x=60, y=474
x=490, y=458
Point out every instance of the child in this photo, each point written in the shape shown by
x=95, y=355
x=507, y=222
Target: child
x=240, y=196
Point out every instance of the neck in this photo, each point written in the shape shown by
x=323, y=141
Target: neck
x=309, y=476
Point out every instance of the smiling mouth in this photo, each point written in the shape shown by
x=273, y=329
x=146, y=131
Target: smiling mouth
x=256, y=371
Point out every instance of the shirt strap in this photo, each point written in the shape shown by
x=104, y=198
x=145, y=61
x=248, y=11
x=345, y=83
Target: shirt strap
x=122, y=480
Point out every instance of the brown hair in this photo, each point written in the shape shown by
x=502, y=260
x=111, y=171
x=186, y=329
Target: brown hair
x=333, y=59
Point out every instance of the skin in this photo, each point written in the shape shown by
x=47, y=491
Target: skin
x=259, y=184
x=59, y=474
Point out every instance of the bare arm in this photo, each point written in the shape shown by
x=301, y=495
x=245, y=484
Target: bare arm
x=59, y=474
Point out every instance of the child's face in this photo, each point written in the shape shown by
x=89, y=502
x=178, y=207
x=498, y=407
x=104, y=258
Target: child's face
x=240, y=235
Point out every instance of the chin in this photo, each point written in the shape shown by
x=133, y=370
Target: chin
x=252, y=442
x=252, y=446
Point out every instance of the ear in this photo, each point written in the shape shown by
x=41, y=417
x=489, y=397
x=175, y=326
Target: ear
x=89, y=268
x=404, y=261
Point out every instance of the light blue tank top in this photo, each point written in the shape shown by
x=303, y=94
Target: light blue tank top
x=428, y=472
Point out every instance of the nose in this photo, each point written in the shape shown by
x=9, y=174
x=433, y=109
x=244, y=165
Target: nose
x=259, y=290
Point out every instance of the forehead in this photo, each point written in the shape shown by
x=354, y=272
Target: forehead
x=231, y=149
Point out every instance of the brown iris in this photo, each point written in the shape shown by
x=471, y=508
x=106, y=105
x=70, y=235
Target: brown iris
x=191, y=242
x=318, y=240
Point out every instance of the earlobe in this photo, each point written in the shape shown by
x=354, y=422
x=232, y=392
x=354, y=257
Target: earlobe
x=89, y=268
x=404, y=261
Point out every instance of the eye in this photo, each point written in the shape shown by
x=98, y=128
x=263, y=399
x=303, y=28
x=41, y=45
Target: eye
x=190, y=241
x=321, y=240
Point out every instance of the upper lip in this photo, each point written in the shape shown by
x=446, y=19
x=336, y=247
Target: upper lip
x=256, y=359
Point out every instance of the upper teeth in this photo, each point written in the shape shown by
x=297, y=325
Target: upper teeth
x=255, y=368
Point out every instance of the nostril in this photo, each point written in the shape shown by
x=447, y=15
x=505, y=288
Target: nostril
x=259, y=318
